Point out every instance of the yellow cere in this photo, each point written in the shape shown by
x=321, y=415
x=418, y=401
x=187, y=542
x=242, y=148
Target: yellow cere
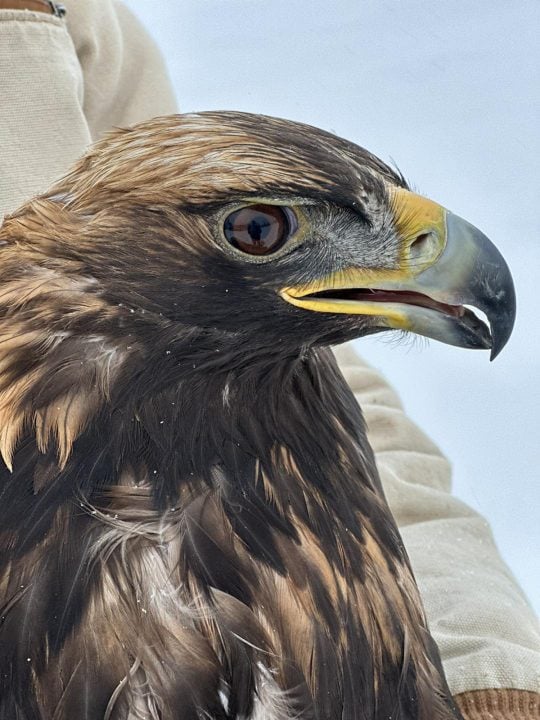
x=417, y=217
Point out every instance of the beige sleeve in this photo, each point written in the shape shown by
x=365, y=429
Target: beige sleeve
x=488, y=634
x=63, y=83
x=125, y=78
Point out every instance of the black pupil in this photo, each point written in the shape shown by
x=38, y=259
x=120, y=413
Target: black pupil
x=258, y=229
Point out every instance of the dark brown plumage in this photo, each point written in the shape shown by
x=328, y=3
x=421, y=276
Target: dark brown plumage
x=192, y=524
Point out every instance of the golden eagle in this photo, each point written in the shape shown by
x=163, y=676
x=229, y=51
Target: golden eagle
x=191, y=521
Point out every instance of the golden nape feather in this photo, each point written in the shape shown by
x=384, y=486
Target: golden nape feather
x=192, y=524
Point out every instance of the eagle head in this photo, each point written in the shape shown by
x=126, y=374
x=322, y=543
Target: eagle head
x=263, y=233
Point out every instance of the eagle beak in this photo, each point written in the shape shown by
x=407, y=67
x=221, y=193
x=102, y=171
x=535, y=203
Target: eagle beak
x=444, y=264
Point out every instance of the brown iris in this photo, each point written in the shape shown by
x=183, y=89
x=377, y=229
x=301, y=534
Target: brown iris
x=259, y=229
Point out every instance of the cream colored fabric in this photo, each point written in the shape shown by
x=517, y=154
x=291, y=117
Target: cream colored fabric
x=59, y=89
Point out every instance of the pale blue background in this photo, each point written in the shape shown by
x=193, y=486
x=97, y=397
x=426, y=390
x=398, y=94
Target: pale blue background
x=447, y=90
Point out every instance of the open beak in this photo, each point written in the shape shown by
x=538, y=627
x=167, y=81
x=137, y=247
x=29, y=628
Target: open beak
x=445, y=264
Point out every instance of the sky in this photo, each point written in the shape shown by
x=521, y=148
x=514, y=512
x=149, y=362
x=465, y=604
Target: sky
x=448, y=92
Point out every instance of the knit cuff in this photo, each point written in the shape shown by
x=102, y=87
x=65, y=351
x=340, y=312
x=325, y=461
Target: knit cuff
x=504, y=704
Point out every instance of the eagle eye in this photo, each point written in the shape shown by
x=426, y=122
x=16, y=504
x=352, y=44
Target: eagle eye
x=260, y=229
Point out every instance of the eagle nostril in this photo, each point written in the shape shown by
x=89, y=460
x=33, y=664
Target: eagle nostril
x=424, y=247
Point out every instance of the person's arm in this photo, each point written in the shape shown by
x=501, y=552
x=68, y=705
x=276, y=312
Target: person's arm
x=125, y=78
x=487, y=633
x=63, y=82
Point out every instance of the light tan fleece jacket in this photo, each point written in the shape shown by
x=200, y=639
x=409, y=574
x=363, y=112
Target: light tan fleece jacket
x=62, y=83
